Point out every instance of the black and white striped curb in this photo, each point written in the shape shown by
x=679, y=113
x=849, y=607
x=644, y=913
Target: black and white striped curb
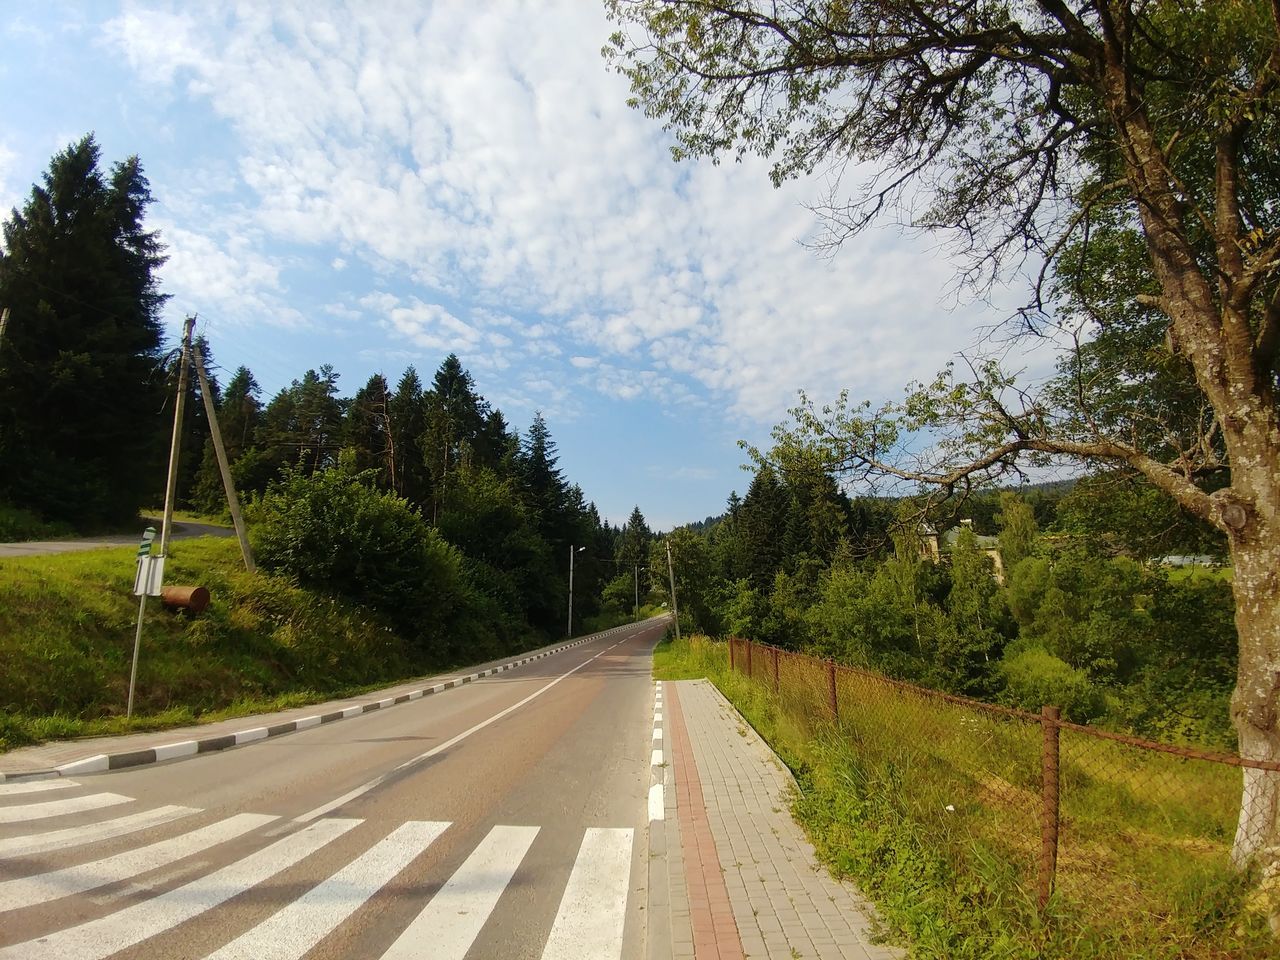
x=658, y=915
x=191, y=748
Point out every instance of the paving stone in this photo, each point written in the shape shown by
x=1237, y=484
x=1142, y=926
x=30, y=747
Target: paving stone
x=783, y=902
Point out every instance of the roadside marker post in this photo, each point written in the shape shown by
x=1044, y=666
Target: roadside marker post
x=146, y=583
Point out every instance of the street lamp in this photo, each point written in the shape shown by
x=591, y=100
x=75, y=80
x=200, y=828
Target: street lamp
x=572, y=551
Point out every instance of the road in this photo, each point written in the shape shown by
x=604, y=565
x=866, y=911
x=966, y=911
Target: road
x=504, y=819
x=182, y=530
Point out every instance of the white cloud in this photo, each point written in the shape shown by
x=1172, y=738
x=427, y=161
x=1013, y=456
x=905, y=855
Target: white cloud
x=474, y=160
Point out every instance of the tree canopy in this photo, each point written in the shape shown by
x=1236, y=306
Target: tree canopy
x=1125, y=151
x=81, y=383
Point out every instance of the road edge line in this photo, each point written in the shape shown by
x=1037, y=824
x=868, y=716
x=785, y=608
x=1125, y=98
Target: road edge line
x=176, y=752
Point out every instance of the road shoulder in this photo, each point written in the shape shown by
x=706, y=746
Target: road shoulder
x=96, y=754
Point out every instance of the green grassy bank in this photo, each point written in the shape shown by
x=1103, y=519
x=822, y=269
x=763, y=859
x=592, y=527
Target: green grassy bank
x=66, y=639
x=932, y=810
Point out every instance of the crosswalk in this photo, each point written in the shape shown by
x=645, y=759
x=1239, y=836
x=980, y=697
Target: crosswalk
x=218, y=861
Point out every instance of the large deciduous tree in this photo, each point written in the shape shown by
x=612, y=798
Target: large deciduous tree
x=1127, y=151
x=81, y=387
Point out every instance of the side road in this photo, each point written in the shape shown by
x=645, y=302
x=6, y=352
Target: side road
x=182, y=530
x=90, y=755
x=743, y=880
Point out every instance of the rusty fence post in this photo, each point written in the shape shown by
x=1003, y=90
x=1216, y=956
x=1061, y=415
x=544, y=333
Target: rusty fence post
x=750, y=675
x=832, y=700
x=731, y=643
x=1049, y=804
x=775, y=671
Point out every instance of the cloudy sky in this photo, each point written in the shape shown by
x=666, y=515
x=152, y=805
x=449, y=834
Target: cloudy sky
x=374, y=185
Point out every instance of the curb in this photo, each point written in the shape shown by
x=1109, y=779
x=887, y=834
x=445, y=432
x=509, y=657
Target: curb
x=189, y=748
x=659, y=938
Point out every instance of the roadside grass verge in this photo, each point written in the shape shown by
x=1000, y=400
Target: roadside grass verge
x=17, y=525
x=932, y=810
x=66, y=641
x=608, y=619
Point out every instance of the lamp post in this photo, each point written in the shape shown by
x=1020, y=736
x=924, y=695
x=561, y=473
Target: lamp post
x=572, y=551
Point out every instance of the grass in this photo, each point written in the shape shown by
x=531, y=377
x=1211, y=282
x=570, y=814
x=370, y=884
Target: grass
x=933, y=810
x=17, y=525
x=66, y=641
x=607, y=619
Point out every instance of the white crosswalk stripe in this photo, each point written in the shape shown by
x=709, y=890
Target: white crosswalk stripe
x=297, y=928
x=100, y=938
x=28, y=891
x=60, y=808
x=594, y=909
x=90, y=833
x=35, y=786
x=589, y=920
x=450, y=922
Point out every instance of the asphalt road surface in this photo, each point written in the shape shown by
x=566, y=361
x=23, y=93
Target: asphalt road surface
x=182, y=530
x=504, y=819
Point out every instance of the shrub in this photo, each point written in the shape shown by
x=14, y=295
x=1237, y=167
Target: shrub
x=334, y=532
x=1035, y=677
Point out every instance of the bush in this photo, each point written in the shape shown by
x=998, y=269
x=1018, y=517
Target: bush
x=334, y=532
x=19, y=525
x=1035, y=677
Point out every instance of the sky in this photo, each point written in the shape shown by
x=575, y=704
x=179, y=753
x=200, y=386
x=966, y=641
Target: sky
x=374, y=185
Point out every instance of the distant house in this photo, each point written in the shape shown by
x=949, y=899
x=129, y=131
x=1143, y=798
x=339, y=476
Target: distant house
x=934, y=547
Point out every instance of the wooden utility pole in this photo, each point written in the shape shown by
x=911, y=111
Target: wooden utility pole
x=671, y=573
x=171, y=485
x=215, y=432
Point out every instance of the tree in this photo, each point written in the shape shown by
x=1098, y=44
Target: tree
x=543, y=481
x=633, y=545
x=408, y=427
x=1019, y=129
x=1017, y=529
x=761, y=527
x=81, y=389
x=455, y=421
x=367, y=431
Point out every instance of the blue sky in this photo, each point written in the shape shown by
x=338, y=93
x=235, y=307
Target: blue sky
x=378, y=184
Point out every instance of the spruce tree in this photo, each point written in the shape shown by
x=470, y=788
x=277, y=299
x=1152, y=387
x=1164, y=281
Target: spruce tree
x=81, y=389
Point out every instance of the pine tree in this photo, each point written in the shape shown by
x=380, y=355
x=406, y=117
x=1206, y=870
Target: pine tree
x=542, y=479
x=80, y=387
x=762, y=524
x=408, y=427
x=367, y=431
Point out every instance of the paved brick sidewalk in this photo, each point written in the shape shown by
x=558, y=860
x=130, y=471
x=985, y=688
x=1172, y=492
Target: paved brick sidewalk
x=784, y=903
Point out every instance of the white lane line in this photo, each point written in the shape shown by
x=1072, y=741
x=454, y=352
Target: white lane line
x=60, y=808
x=306, y=921
x=100, y=938
x=594, y=908
x=656, y=759
x=364, y=788
x=27, y=891
x=35, y=786
x=75, y=836
x=657, y=803
x=450, y=923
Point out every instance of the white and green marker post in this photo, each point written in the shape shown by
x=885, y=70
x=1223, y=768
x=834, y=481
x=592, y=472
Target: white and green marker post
x=146, y=582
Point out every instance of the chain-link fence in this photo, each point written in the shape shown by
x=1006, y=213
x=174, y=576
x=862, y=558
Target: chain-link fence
x=1114, y=824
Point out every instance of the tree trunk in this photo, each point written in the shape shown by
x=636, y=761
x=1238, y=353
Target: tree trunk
x=1256, y=585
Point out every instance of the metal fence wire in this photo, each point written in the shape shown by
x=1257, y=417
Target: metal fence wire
x=1117, y=822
